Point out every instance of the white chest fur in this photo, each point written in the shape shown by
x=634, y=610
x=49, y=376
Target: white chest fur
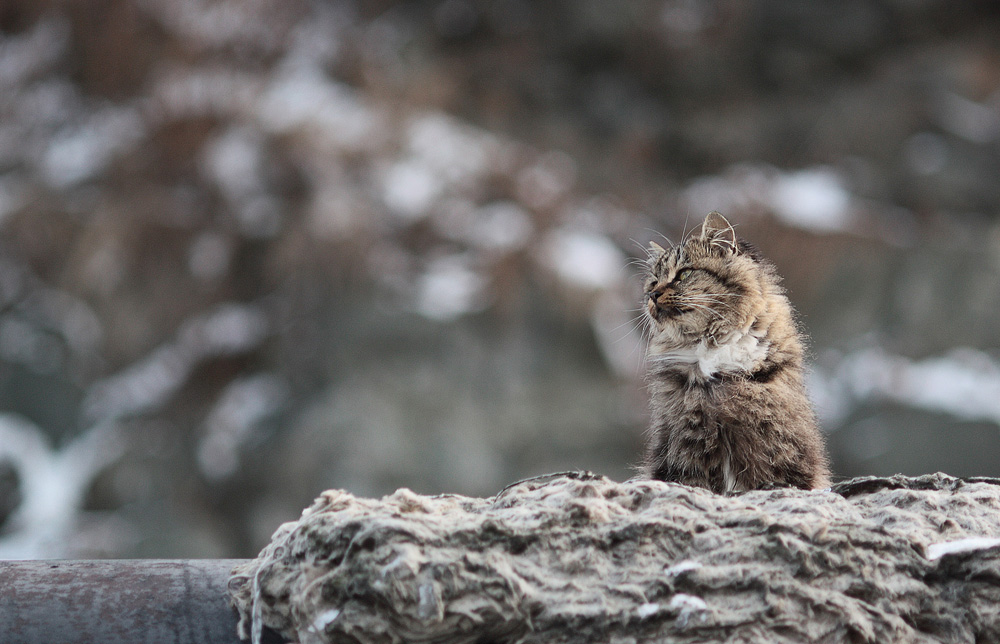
x=740, y=352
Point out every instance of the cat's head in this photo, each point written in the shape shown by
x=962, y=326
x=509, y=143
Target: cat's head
x=707, y=286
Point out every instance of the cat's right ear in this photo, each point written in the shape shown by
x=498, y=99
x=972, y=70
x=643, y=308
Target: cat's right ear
x=719, y=231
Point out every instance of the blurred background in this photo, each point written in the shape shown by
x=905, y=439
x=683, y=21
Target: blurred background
x=254, y=249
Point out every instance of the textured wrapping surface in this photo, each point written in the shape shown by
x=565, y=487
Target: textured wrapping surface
x=580, y=558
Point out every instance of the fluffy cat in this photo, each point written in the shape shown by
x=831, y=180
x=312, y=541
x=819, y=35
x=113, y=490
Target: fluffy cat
x=728, y=403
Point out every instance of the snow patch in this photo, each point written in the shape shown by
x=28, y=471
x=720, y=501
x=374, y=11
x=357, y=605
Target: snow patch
x=689, y=607
x=303, y=97
x=813, y=199
x=53, y=483
x=583, y=259
x=449, y=289
x=970, y=544
x=682, y=567
x=647, y=610
x=233, y=421
x=451, y=149
x=502, y=226
x=145, y=385
x=38, y=48
x=80, y=153
x=234, y=161
x=410, y=188
x=964, y=383
x=324, y=619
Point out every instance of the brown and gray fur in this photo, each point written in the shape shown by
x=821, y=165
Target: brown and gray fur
x=728, y=402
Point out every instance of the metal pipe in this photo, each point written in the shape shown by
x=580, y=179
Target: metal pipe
x=117, y=602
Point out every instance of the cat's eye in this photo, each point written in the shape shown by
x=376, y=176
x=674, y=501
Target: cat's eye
x=683, y=275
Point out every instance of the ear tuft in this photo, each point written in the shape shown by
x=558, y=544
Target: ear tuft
x=719, y=232
x=656, y=248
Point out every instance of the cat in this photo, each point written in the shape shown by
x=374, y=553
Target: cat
x=729, y=410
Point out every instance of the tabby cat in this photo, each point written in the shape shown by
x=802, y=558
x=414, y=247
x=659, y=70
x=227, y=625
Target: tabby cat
x=725, y=375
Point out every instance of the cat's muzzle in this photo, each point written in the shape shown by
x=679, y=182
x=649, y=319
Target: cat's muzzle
x=661, y=311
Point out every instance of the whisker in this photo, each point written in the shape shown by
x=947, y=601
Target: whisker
x=636, y=328
x=644, y=345
x=670, y=242
x=684, y=229
x=714, y=295
x=640, y=263
x=722, y=294
x=702, y=307
x=704, y=303
x=632, y=321
x=709, y=300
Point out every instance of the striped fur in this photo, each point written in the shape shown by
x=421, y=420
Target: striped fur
x=729, y=410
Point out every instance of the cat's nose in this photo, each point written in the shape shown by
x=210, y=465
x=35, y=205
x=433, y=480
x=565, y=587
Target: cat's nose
x=655, y=294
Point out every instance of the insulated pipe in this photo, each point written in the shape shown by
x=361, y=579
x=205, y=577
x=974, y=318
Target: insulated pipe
x=117, y=602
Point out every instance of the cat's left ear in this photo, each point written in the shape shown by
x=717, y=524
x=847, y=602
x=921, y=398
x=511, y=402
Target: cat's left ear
x=717, y=230
x=654, y=253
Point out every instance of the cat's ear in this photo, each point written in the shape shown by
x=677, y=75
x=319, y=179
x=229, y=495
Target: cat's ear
x=654, y=253
x=717, y=230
